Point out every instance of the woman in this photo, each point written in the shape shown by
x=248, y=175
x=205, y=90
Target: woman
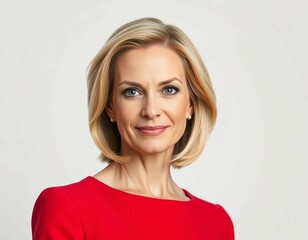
x=151, y=106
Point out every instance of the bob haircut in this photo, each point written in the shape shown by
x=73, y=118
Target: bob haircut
x=137, y=34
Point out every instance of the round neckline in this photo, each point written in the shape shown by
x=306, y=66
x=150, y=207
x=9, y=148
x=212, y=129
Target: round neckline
x=187, y=194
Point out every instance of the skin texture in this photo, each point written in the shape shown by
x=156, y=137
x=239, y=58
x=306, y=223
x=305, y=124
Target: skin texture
x=150, y=104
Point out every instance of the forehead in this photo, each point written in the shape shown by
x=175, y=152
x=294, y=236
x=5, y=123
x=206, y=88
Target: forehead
x=155, y=62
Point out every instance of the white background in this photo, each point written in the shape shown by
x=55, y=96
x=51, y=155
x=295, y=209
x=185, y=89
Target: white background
x=255, y=163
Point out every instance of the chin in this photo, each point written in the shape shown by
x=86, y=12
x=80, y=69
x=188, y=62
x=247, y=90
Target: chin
x=154, y=148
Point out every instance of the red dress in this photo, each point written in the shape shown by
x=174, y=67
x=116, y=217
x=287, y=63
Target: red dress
x=90, y=209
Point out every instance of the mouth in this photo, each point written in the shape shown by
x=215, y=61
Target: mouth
x=151, y=130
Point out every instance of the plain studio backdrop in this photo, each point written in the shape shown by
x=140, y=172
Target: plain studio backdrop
x=255, y=162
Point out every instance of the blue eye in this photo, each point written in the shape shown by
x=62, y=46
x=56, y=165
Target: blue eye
x=131, y=92
x=170, y=90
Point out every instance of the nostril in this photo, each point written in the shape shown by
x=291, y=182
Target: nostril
x=150, y=115
x=151, y=108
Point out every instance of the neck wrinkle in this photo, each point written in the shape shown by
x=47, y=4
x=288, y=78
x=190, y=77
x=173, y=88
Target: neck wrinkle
x=147, y=176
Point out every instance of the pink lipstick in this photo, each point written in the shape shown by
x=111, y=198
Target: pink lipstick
x=151, y=130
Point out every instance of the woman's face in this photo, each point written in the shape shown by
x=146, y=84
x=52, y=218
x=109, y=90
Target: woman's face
x=150, y=101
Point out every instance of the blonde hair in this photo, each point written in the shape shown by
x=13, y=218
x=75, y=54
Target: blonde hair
x=137, y=34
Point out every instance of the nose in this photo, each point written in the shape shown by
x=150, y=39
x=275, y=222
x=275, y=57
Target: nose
x=151, y=107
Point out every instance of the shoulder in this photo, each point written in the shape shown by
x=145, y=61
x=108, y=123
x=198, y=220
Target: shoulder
x=206, y=205
x=56, y=197
x=216, y=214
x=82, y=186
x=56, y=212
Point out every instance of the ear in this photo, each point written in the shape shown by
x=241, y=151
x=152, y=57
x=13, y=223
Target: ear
x=110, y=112
x=190, y=109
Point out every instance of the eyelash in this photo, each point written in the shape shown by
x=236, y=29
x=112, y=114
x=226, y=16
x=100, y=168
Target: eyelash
x=173, y=88
x=125, y=92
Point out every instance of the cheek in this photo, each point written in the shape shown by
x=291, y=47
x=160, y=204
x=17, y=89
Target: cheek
x=178, y=109
x=179, y=115
x=125, y=113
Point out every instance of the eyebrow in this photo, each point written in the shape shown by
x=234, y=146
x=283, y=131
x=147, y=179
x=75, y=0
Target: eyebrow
x=160, y=84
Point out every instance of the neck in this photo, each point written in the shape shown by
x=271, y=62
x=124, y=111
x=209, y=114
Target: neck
x=147, y=175
x=150, y=174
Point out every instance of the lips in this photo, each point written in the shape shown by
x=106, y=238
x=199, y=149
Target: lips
x=151, y=130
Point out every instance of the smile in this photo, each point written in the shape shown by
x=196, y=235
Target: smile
x=151, y=130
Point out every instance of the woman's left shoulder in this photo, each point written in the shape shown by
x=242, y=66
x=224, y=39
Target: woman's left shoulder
x=216, y=212
x=202, y=203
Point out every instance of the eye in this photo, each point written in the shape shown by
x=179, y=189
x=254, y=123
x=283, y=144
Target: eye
x=170, y=90
x=131, y=92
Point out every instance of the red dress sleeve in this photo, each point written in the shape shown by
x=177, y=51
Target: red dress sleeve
x=55, y=217
x=227, y=224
